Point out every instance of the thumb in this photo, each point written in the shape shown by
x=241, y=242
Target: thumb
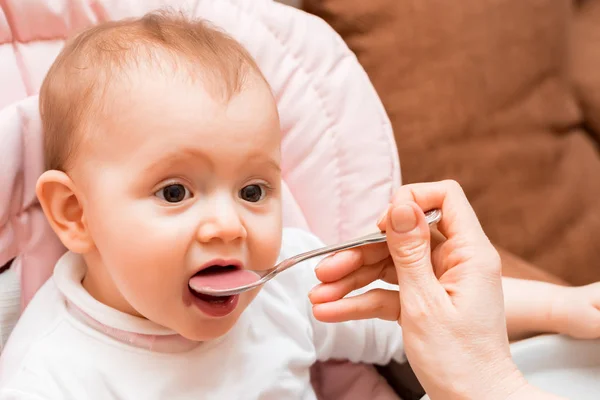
x=409, y=242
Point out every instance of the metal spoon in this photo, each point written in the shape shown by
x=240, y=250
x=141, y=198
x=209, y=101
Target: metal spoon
x=432, y=217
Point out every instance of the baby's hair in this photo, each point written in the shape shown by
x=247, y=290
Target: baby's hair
x=75, y=87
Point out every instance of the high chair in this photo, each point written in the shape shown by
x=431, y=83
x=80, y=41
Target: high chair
x=337, y=178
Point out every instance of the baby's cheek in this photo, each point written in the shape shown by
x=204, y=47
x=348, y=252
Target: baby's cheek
x=145, y=237
x=149, y=291
x=144, y=261
x=269, y=248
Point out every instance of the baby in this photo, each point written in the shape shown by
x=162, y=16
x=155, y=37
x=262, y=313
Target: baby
x=162, y=144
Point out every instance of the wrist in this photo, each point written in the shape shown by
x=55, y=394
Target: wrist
x=557, y=314
x=529, y=392
x=500, y=384
x=551, y=308
x=511, y=386
x=508, y=385
x=532, y=307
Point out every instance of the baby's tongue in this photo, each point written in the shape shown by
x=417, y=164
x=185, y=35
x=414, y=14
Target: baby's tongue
x=222, y=278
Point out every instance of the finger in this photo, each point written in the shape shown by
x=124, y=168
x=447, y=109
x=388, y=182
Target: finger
x=439, y=252
x=438, y=249
x=376, y=303
x=408, y=239
x=458, y=217
x=436, y=238
x=436, y=235
x=381, y=221
x=442, y=258
x=328, y=292
x=339, y=265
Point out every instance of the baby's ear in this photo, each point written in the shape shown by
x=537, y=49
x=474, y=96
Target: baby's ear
x=57, y=194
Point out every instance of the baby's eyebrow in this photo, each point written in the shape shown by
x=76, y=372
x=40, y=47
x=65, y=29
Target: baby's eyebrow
x=265, y=160
x=274, y=165
x=170, y=159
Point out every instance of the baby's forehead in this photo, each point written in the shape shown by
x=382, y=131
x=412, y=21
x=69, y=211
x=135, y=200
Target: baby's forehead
x=151, y=95
x=172, y=111
x=106, y=60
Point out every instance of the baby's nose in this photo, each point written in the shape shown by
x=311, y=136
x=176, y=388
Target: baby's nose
x=224, y=224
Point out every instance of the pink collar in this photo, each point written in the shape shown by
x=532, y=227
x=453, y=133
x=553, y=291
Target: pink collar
x=134, y=331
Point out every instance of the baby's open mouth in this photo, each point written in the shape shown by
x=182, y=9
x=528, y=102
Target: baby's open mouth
x=216, y=276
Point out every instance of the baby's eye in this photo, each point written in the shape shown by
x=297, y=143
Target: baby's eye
x=174, y=193
x=252, y=193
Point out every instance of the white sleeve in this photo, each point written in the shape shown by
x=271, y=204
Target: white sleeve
x=31, y=383
x=18, y=395
x=372, y=341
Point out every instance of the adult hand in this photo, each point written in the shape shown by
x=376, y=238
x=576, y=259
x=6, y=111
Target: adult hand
x=449, y=303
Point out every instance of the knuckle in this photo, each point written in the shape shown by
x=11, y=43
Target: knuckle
x=354, y=309
x=411, y=253
x=386, y=271
x=381, y=275
x=416, y=311
x=461, y=252
x=423, y=308
x=389, y=275
x=485, y=256
x=453, y=186
x=382, y=271
x=354, y=282
x=378, y=306
x=489, y=260
x=403, y=194
x=355, y=256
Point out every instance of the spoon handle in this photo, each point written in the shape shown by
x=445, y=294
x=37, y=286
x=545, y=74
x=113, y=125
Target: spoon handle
x=431, y=217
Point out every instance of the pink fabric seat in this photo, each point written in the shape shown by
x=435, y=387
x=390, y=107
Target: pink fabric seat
x=337, y=178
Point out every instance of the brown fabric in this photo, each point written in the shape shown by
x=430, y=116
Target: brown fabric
x=585, y=62
x=478, y=91
x=515, y=267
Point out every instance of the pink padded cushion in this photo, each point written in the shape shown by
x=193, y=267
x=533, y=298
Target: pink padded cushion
x=339, y=157
x=24, y=232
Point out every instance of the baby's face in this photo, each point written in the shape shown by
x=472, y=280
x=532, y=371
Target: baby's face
x=176, y=182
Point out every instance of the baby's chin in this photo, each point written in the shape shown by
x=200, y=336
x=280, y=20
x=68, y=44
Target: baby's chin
x=206, y=332
x=199, y=327
x=206, y=329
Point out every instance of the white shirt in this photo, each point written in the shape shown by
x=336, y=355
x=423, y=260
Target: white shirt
x=67, y=345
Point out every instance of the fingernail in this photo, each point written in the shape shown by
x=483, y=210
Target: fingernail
x=313, y=290
x=382, y=216
x=404, y=218
x=323, y=261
